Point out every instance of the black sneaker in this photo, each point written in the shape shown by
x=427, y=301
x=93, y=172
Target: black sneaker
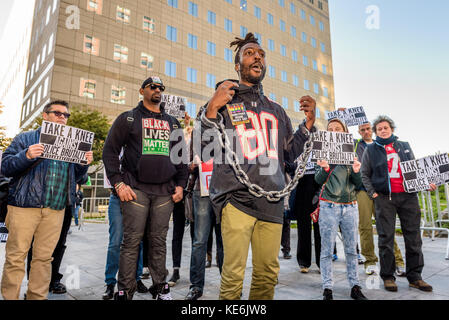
x=208, y=264
x=327, y=294
x=194, y=294
x=287, y=255
x=160, y=291
x=356, y=293
x=120, y=295
x=141, y=287
x=109, y=293
x=174, y=278
x=57, y=288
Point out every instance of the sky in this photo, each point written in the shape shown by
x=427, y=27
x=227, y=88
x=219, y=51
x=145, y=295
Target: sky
x=400, y=69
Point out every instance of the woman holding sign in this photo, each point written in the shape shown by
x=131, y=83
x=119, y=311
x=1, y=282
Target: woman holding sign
x=338, y=208
x=383, y=180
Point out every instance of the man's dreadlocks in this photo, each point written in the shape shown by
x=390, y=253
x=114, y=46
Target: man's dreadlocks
x=239, y=43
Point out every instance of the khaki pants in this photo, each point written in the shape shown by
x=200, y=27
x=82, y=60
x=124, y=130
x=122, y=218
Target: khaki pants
x=366, y=212
x=23, y=224
x=238, y=231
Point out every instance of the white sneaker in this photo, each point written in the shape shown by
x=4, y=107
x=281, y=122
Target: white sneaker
x=164, y=296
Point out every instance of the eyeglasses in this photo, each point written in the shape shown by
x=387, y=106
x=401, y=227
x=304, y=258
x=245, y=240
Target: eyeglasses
x=154, y=86
x=59, y=114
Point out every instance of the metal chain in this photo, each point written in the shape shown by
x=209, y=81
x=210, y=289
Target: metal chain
x=241, y=175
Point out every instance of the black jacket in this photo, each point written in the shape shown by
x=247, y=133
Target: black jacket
x=374, y=170
x=224, y=185
x=146, y=163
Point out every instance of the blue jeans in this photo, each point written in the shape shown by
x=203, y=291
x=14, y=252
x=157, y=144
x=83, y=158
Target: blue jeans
x=115, y=239
x=75, y=213
x=204, y=218
x=333, y=215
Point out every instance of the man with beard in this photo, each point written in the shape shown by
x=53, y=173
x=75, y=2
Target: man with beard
x=148, y=184
x=262, y=141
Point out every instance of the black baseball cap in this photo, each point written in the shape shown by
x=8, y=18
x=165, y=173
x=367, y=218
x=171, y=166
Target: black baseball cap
x=152, y=80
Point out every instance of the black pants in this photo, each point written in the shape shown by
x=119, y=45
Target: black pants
x=58, y=253
x=304, y=248
x=285, y=240
x=179, y=222
x=407, y=207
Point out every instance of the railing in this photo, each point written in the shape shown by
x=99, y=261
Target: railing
x=94, y=210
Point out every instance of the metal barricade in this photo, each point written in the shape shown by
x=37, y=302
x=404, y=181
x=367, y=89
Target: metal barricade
x=94, y=210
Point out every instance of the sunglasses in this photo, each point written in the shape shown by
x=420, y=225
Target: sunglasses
x=59, y=114
x=154, y=86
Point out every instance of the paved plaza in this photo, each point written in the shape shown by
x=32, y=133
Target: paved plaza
x=84, y=263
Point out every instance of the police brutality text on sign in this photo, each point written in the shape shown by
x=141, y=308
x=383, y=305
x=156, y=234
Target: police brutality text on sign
x=335, y=147
x=65, y=143
x=205, y=176
x=351, y=116
x=174, y=105
x=419, y=174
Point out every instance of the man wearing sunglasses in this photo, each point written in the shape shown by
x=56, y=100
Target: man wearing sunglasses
x=40, y=191
x=148, y=184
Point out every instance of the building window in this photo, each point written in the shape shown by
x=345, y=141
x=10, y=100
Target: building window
x=87, y=88
x=272, y=97
x=91, y=45
x=173, y=3
x=283, y=50
x=95, y=6
x=210, y=81
x=315, y=65
x=211, y=48
x=191, y=75
x=293, y=31
x=295, y=55
x=311, y=1
x=191, y=109
x=228, y=55
x=282, y=3
x=118, y=95
x=243, y=5
x=324, y=68
x=272, y=71
x=320, y=5
x=292, y=8
x=296, y=105
x=44, y=51
x=170, y=68
x=321, y=26
x=315, y=88
x=193, y=9
x=325, y=92
x=303, y=14
x=27, y=78
x=304, y=37
x=323, y=47
x=192, y=41
x=306, y=84
x=229, y=1
x=295, y=80
x=243, y=31
x=282, y=25
x=312, y=20
x=284, y=76
x=270, y=18
x=50, y=44
x=38, y=62
x=257, y=12
x=39, y=95
x=317, y=113
x=32, y=71
x=228, y=25
x=123, y=15
x=172, y=33
x=55, y=4
x=305, y=60
x=47, y=19
x=285, y=102
x=148, y=24
x=146, y=61
x=258, y=36
x=313, y=42
x=120, y=53
x=270, y=44
x=211, y=17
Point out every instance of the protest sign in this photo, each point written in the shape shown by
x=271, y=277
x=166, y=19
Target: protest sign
x=205, y=176
x=65, y=143
x=174, y=105
x=106, y=182
x=310, y=166
x=3, y=232
x=335, y=147
x=350, y=116
x=420, y=173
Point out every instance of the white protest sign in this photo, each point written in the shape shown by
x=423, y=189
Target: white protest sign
x=350, y=116
x=310, y=166
x=174, y=105
x=420, y=173
x=205, y=176
x=65, y=143
x=335, y=147
x=3, y=232
x=106, y=182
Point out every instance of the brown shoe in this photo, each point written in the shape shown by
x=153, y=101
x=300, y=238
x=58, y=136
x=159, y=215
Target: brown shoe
x=390, y=285
x=421, y=285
